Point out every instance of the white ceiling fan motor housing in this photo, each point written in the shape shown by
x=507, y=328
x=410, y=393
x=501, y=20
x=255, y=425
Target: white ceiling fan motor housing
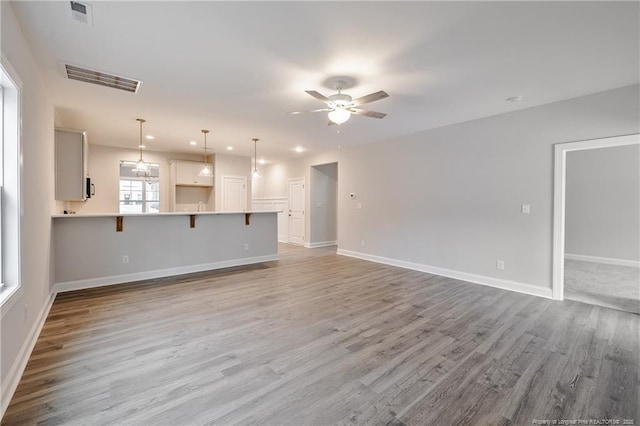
x=340, y=99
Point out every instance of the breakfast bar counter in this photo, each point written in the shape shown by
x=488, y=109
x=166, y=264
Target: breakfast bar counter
x=93, y=250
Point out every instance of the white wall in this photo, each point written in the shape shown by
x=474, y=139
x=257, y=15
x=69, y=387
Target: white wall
x=231, y=165
x=603, y=203
x=450, y=197
x=104, y=169
x=20, y=321
x=323, y=212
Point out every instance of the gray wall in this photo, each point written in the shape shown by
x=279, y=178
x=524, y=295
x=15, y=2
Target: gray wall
x=450, y=197
x=323, y=214
x=18, y=322
x=216, y=238
x=603, y=203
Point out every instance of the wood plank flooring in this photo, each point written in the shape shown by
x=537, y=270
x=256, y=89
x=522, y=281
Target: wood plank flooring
x=319, y=339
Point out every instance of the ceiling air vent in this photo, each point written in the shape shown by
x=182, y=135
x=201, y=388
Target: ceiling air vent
x=103, y=79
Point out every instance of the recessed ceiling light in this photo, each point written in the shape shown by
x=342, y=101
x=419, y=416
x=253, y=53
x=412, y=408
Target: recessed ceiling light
x=193, y=143
x=141, y=146
x=149, y=137
x=514, y=99
x=299, y=149
x=229, y=148
x=261, y=161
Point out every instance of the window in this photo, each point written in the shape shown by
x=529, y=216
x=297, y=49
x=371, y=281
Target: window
x=10, y=84
x=139, y=194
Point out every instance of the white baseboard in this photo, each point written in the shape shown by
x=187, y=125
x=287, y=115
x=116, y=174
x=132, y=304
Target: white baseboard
x=321, y=244
x=464, y=276
x=283, y=239
x=158, y=273
x=10, y=383
x=605, y=260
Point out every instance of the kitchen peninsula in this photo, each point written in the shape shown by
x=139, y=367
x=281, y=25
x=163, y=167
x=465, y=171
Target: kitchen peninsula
x=93, y=250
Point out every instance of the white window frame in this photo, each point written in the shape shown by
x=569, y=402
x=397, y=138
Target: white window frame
x=143, y=179
x=10, y=183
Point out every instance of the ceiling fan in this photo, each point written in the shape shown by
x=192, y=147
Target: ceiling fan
x=340, y=106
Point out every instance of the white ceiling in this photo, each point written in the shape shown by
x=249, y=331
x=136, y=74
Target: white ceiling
x=237, y=68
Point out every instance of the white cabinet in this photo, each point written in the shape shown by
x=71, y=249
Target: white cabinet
x=71, y=158
x=189, y=192
x=187, y=174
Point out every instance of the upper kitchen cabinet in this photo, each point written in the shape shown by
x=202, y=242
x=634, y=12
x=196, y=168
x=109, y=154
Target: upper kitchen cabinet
x=71, y=160
x=186, y=173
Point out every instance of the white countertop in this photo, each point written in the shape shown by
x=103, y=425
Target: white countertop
x=58, y=216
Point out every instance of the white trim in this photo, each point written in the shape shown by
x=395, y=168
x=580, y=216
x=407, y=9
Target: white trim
x=605, y=260
x=10, y=383
x=158, y=273
x=559, y=195
x=321, y=244
x=530, y=289
x=14, y=80
x=269, y=199
x=8, y=298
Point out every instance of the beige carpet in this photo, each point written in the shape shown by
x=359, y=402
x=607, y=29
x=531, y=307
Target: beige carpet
x=599, y=284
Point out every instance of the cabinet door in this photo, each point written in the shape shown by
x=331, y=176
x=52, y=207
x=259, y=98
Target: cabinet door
x=185, y=174
x=70, y=165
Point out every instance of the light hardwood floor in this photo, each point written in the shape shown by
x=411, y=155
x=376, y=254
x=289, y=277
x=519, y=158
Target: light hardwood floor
x=318, y=339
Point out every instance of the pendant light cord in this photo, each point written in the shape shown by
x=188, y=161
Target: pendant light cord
x=140, y=120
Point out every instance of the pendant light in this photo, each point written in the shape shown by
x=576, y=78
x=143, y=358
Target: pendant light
x=141, y=167
x=255, y=173
x=206, y=170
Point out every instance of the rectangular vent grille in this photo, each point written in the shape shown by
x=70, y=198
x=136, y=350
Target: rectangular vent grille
x=102, y=79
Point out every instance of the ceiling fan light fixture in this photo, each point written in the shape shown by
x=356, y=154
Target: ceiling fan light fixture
x=339, y=115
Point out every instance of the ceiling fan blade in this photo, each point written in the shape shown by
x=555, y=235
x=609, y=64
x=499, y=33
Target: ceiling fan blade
x=319, y=96
x=313, y=110
x=365, y=113
x=369, y=98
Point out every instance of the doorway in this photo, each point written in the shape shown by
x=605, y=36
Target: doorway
x=234, y=193
x=596, y=220
x=296, y=211
x=323, y=210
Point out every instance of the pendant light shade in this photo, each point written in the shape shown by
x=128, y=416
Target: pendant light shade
x=339, y=115
x=205, y=170
x=141, y=167
x=255, y=173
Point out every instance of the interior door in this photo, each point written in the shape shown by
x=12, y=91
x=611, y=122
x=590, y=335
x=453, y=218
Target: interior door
x=296, y=211
x=234, y=193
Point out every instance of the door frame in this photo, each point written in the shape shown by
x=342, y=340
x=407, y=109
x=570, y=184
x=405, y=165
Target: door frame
x=559, y=197
x=304, y=214
x=244, y=199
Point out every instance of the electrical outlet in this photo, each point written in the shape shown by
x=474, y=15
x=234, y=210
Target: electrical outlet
x=125, y=259
x=362, y=243
x=526, y=209
x=359, y=206
x=500, y=264
x=246, y=246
